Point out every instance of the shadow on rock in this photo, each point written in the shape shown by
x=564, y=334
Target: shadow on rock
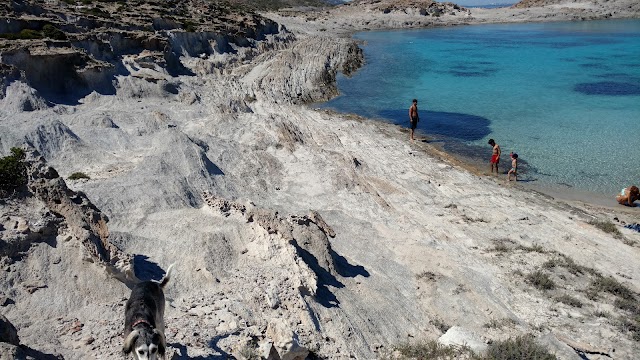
x=324, y=296
x=345, y=269
x=212, y=168
x=184, y=355
x=213, y=344
x=147, y=270
x=9, y=351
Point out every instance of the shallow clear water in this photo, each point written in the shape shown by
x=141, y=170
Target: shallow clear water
x=564, y=96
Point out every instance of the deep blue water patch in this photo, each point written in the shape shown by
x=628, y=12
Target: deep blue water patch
x=464, y=127
x=471, y=70
x=608, y=88
x=459, y=73
x=618, y=76
x=592, y=65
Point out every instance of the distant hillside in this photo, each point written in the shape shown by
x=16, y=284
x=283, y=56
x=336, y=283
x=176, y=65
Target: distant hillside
x=537, y=3
x=613, y=5
x=395, y=4
x=279, y=4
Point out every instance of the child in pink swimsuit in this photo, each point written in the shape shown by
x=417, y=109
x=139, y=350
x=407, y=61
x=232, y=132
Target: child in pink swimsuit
x=514, y=167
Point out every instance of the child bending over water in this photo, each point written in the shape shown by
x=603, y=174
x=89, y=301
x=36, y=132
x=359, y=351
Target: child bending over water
x=628, y=195
x=514, y=167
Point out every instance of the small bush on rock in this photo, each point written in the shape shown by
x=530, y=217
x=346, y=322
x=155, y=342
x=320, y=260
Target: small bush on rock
x=25, y=34
x=500, y=323
x=612, y=286
x=541, y=280
x=12, y=171
x=522, y=348
x=432, y=350
x=54, y=33
x=78, y=176
x=606, y=226
x=569, y=300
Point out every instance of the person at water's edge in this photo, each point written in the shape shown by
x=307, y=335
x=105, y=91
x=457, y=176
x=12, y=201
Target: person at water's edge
x=628, y=195
x=413, y=117
x=495, y=156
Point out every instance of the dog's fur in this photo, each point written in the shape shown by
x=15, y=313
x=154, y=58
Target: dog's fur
x=144, y=319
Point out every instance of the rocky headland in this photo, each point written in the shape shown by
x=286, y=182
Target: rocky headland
x=161, y=132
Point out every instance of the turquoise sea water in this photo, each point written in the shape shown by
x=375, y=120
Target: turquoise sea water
x=564, y=96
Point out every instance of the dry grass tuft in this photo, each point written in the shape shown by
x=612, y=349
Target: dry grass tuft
x=612, y=286
x=569, y=300
x=500, y=323
x=427, y=276
x=521, y=348
x=533, y=248
x=432, y=350
x=607, y=226
x=540, y=280
x=441, y=325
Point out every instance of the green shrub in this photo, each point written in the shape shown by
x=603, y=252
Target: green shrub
x=533, y=248
x=189, y=26
x=432, y=350
x=612, y=286
x=569, y=300
x=78, y=176
x=606, y=226
x=467, y=218
x=550, y=264
x=441, y=325
x=630, y=305
x=630, y=322
x=541, y=280
x=602, y=314
x=502, y=245
x=427, y=276
x=521, y=348
x=12, y=171
x=631, y=325
x=574, y=268
x=499, y=323
x=24, y=34
x=569, y=264
x=54, y=33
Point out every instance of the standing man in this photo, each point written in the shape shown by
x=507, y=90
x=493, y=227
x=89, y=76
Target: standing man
x=413, y=117
x=495, y=156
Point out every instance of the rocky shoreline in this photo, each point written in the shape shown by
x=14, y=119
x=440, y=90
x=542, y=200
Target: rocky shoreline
x=297, y=232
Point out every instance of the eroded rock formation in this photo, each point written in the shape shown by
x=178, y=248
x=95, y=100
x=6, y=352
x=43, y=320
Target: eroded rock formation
x=49, y=211
x=65, y=51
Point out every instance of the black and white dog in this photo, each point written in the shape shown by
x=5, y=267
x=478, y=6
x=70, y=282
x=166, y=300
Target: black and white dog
x=144, y=319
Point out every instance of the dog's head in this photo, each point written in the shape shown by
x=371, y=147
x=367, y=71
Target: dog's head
x=145, y=343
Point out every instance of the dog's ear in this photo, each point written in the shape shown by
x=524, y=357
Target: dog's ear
x=162, y=343
x=129, y=341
